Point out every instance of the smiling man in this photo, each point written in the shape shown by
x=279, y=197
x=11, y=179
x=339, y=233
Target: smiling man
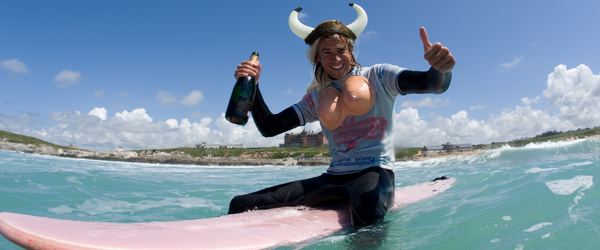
x=361, y=174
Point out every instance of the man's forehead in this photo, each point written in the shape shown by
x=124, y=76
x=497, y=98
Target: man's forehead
x=331, y=44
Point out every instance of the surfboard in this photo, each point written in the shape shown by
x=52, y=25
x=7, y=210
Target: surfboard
x=250, y=230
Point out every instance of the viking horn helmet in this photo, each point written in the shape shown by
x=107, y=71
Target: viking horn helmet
x=304, y=31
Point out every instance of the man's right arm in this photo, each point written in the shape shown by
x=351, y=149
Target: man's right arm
x=270, y=124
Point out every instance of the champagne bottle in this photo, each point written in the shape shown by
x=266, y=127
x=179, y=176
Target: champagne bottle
x=242, y=97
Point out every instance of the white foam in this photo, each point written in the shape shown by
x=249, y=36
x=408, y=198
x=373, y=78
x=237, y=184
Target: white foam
x=335, y=239
x=495, y=240
x=537, y=227
x=549, y=144
x=62, y=209
x=537, y=170
x=506, y=218
x=578, y=164
x=73, y=179
x=546, y=235
x=567, y=187
x=40, y=186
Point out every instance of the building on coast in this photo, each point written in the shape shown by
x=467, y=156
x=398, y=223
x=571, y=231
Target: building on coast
x=448, y=148
x=304, y=138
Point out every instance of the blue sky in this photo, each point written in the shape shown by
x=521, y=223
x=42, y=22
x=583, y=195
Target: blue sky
x=158, y=74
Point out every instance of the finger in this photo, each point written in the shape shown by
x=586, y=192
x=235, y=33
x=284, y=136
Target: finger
x=424, y=39
x=439, y=57
x=449, y=65
x=432, y=51
x=440, y=63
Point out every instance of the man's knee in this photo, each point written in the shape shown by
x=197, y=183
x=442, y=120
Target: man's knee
x=237, y=205
x=370, y=206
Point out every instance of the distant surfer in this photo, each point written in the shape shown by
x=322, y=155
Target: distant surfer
x=360, y=136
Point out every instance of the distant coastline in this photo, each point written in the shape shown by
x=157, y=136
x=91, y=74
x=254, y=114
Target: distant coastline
x=155, y=156
x=36, y=146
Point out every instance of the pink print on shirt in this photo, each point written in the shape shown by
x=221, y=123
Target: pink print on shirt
x=309, y=100
x=350, y=132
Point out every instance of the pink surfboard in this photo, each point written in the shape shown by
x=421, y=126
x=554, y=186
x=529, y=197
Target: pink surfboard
x=251, y=230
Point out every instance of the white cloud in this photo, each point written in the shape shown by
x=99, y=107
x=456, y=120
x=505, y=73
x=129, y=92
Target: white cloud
x=170, y=99
x=123, y=93
x=193, y=98
x=302, y=16
x=172, y=123
x=527, y=101
x=576, y=94
x=135, y=115
x=479, y=106
x=368, y=35
x=15, y=66
x=291, y=92
x=512, y=64
x=196, y=114
x=135, y=130
x=66, y=78
x=165, y=98
x=99, y=93
x=426, y=102
x=99, y=112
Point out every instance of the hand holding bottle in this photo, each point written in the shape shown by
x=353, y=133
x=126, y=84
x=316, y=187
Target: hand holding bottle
x=248, y=68
x=244, y=90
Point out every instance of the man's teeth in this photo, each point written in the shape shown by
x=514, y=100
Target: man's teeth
x=337, y=67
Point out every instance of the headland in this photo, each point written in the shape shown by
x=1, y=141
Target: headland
x=224, y=157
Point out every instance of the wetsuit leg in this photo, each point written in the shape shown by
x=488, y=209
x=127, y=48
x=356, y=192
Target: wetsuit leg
x=368, y=194
x=371, y=195
x=320, y=190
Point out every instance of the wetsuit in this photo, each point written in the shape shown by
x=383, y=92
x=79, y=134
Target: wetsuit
x=361, y=174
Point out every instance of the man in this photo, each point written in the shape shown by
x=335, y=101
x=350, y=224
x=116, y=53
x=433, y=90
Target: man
x=361, y=174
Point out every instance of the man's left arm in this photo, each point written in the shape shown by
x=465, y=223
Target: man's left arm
x=437, y=79
x=424, y=82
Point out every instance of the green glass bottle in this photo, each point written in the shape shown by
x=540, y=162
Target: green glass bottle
x=242, y=97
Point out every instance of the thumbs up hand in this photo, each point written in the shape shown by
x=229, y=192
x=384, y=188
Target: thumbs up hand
x=438, y=56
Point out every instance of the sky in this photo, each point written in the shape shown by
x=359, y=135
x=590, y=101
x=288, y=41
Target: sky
x=159, y=74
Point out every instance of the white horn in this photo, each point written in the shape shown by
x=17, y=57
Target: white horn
x=360, y=23
x=297, y=27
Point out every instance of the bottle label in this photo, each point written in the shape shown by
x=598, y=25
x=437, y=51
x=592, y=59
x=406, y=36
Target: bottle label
x=243, y=105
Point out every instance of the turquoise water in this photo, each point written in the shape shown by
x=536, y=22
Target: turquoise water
x=538, y=197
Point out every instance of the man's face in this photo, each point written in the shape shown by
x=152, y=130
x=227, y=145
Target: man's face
x=335, y=58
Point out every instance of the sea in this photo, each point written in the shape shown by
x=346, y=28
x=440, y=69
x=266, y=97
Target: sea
x=540, y=196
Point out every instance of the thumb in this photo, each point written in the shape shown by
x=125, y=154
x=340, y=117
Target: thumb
x=424, y=39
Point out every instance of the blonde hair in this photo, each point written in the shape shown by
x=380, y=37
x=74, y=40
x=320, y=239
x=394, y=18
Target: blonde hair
x=321, y=79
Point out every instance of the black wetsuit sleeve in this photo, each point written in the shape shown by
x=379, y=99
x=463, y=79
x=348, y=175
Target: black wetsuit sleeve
x=270, y=124
x=419, y=82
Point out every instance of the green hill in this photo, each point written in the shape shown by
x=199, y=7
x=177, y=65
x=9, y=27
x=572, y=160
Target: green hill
x=23, y=139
